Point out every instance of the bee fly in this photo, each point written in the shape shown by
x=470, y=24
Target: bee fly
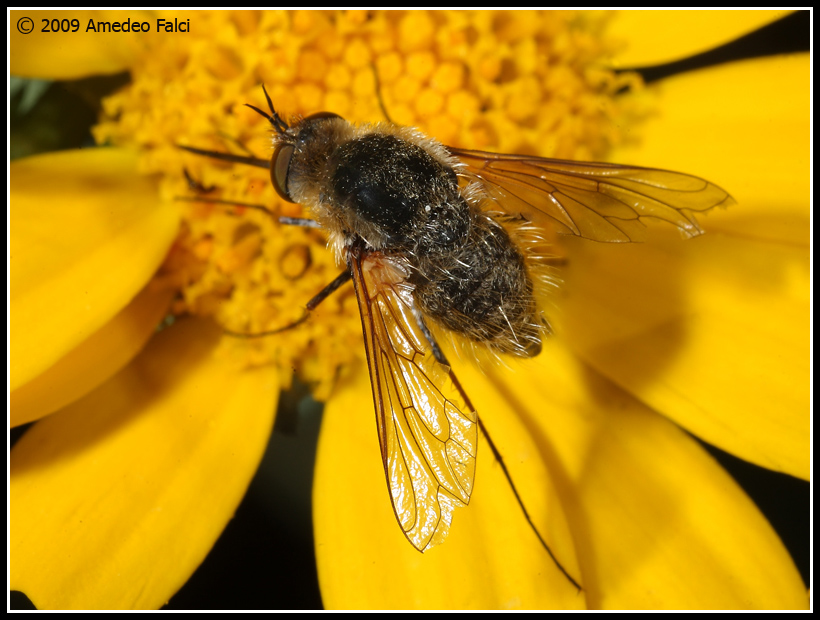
x=412, y=220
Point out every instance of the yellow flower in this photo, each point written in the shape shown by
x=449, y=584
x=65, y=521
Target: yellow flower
x=118, y=495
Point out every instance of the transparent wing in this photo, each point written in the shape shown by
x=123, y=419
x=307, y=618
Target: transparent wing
x=427, y=426
x=598, y=201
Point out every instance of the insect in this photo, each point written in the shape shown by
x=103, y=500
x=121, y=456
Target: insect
x=430, y=236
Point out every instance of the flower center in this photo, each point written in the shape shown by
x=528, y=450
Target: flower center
x=517, y=82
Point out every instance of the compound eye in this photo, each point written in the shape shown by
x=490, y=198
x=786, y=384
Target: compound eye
x=319, y=115
x=279, y=165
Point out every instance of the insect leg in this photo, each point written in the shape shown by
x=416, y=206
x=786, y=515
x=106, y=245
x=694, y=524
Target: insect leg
x=434, y=348
x=330, y=288
x=518, y=499
x=282, y=219
x=290, y=221
x=298, y=221
x=196, y=185
x=379, y=93
x=237, y=159
x=442, y=359
x=309, y=307
x=231, y=203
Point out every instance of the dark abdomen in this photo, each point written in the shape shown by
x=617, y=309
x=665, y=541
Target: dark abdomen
x=479, y=287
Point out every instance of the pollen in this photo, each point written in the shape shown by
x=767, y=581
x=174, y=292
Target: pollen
x=531, y=82
x=312, y=66
x=448, y=77
x=421, y=65
x=416, y=31
x=429, y=103
x=357, y=54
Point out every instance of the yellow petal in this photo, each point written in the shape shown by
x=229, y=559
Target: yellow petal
x=64, y=44
x=94, y=361
x=490, y=560
x=87, y=233
x=117, y=499
x=714, y=331
x=657, y=37
x=657, y=522
x=744, y=126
